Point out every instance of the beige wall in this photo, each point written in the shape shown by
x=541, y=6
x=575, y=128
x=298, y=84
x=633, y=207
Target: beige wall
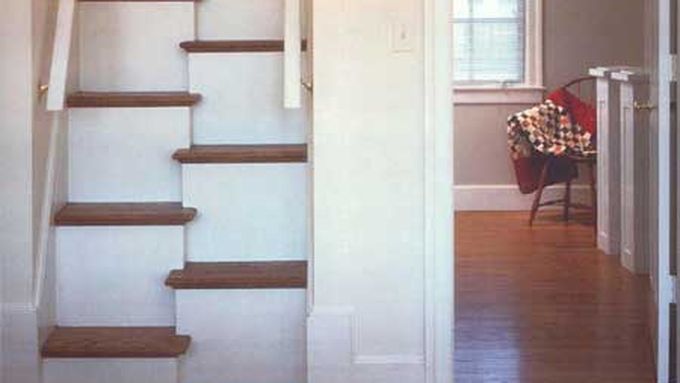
x=578, y=34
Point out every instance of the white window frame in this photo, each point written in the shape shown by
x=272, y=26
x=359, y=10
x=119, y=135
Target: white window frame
x=531, y=90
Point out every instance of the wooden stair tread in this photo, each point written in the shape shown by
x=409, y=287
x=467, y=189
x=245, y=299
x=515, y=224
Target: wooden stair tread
x=240, y=275
x=137, y=1
x=122, y=214
x=232, y=46
x=225, y=154
x=131, y=99
x=115, y=342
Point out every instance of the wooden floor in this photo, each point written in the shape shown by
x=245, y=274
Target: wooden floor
x=543, y=305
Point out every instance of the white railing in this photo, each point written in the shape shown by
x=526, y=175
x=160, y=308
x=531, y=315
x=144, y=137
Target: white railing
x=292, y=56
x=61, y=53
x=46, y=229
x=56, y=96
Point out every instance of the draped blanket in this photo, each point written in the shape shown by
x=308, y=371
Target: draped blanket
x=544, y=132
x=547, y=129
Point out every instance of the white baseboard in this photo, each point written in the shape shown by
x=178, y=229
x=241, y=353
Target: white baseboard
x=508, y=197
x=333, y=341
x=19, y=360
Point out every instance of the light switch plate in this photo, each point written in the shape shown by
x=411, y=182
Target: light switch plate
x=401, y=36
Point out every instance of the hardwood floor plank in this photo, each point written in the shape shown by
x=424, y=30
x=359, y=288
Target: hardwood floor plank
x=542, y=304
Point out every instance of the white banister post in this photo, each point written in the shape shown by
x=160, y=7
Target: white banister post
x=634, y=177
x=292, y=56
x=61, y=53
x=608, y=169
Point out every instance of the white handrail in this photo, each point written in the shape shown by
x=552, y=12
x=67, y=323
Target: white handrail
x=292, y=56
x=56, y=96
x=45, y=233
x=60, y=55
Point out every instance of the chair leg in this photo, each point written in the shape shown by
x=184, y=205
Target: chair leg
x=567, y=200
x=539, y=192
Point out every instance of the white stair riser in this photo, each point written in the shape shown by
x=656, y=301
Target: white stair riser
x=125, y=154
x=252, y=212
x=114, y=276
x=220, y=19
x=254, y=336
x=110, y=370
x=243, y=100
x=128, y=46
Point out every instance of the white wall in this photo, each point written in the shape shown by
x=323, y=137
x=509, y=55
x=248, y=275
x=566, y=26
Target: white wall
x=370, y=320
x=16, y=102
x=25, y=38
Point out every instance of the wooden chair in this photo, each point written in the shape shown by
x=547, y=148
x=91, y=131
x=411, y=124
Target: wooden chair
x=589, y=161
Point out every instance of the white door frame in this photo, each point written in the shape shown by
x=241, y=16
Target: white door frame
x=439, y=205
x=660, y=198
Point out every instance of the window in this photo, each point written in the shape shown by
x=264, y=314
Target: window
x=497, y=51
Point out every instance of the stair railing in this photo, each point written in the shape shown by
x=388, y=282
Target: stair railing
x=56, y=94
x=55, y=91
x=292, y=55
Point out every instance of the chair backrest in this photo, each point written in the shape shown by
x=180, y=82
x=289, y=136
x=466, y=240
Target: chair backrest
x=578, y=97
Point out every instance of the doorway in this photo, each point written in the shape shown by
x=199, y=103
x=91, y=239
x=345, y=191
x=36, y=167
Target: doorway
x=542, y=303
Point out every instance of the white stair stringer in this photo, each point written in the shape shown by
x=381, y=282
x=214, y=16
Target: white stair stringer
x=243, y=100
x=253, y=336
x=247, y=212
x=134, y=46
x=109, y=370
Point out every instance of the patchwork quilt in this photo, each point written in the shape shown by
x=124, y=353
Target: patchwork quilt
x=547, y=129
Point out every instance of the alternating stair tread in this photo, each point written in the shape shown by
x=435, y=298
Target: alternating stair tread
x=115, y=342
x=240, y=275
x=227, y=46
x=137, y=1
x=122, y=214
x=131, y=99
x=225, y=154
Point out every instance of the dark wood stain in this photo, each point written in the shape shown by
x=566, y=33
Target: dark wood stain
x=115, y=342
x=131, y=99
x=209, y=154
x=542, y=304
x=234, y=46
x=240, y=275
x=124, y=214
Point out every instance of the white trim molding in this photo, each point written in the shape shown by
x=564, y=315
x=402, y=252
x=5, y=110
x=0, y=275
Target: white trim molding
x=531, y=91
x=508, y=197
x=334, y=352
x=19, y=355
x=439, y=251
x=520, y=95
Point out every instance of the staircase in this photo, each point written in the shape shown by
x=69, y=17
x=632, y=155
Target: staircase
x=181, y=256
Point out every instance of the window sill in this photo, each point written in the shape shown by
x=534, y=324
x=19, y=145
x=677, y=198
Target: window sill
x=526, y=95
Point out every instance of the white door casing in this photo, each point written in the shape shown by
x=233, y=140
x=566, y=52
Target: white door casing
x=659, y=201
